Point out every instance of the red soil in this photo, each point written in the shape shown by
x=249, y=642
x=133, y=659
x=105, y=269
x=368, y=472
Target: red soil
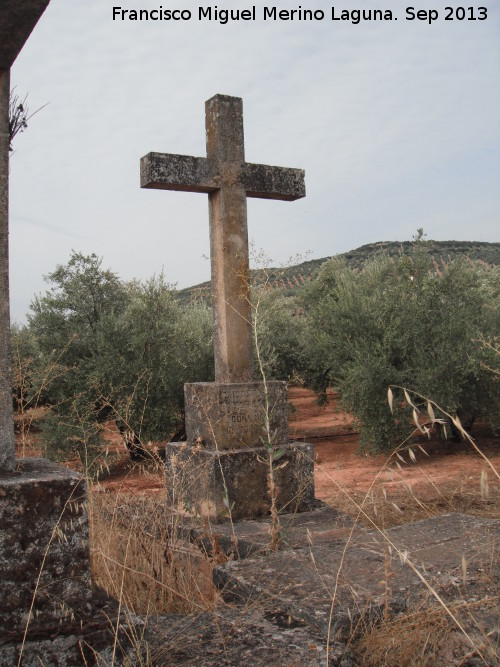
x=339, y=463
x=447, y=471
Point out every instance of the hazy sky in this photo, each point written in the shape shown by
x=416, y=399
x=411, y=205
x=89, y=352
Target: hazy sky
x=396, y=124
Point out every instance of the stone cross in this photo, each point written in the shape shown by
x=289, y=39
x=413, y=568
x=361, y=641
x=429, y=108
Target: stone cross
x=228, y=180
x=17, y=20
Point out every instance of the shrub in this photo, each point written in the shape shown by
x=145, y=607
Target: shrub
x=280, y=331
x=399, y=322
x=115, y=350
x=161, y=346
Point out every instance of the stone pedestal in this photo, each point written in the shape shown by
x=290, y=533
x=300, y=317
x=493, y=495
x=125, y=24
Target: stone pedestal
x=44, y=546
x=222, y=470
x=233, y=415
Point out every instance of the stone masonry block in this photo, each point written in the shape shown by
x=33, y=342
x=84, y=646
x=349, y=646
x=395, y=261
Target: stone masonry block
x=197, y=478
x=232, y=415
x=43, y=538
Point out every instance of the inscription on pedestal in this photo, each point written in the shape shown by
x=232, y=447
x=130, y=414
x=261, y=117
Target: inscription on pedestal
x=242, y=413
x=233, y=416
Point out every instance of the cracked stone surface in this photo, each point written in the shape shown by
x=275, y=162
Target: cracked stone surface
x=249, y=637
x=245, y=539
x=365, y=573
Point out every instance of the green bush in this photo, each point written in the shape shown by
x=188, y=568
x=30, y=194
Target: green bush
x=96, y=348
x=161, y=346
x=280, y=335
x=110, y=350
x=399, y=322
x=71, y=433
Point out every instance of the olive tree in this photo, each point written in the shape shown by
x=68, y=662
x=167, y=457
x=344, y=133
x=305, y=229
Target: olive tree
x=117, y=351
x=279, y=332
x=400, y=322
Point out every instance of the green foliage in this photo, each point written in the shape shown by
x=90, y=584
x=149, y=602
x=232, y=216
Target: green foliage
x=160, y=347
x=100, y=349
x=280, y=332
x=24, y=351
x=97, y=349
x=73, y=318
x=400, y=322
x=73, y=433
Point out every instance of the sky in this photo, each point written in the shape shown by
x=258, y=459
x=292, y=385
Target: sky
x=396, y=123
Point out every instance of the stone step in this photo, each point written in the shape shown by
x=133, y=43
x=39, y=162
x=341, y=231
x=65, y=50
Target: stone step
x=252, y=538
x=330, y=583
x=257, y=636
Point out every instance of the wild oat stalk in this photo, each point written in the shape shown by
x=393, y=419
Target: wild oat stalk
x=430, y=410
x=421, y=427
x=404, y=557
x=269, y=437
x=55, y=531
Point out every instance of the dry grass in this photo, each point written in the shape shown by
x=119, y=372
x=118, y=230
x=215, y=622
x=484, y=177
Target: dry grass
x=141, y=556
x=426, y=636
x=457, y=624
x=463, y=631
x=409, y=505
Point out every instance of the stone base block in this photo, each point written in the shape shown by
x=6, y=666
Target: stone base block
x=44, y=548
x=212, y=482
x=232, y=415
x=88, y=640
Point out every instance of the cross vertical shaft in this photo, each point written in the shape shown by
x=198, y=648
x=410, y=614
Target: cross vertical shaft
x=225, y=418
x=229, y=242
x=228, y=180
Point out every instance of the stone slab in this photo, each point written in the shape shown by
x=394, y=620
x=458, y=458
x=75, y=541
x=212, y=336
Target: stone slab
x=232, y=415
x=209, y=482
x=96, y=632
x=17, y=20
x=251, y=538
x=257, y=636
x=44, y=538
x=184, y=173
x=364, y=575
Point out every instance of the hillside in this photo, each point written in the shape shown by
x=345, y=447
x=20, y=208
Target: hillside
x=292, y=277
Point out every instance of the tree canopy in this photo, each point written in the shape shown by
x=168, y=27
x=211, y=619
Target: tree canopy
x=96, y=348
x=401, y=322
x=103, y=349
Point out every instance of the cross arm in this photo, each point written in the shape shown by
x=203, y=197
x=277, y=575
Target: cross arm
x=266, y=182
x=167, y=171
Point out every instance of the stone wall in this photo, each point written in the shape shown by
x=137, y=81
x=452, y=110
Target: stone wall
x=44, y=546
